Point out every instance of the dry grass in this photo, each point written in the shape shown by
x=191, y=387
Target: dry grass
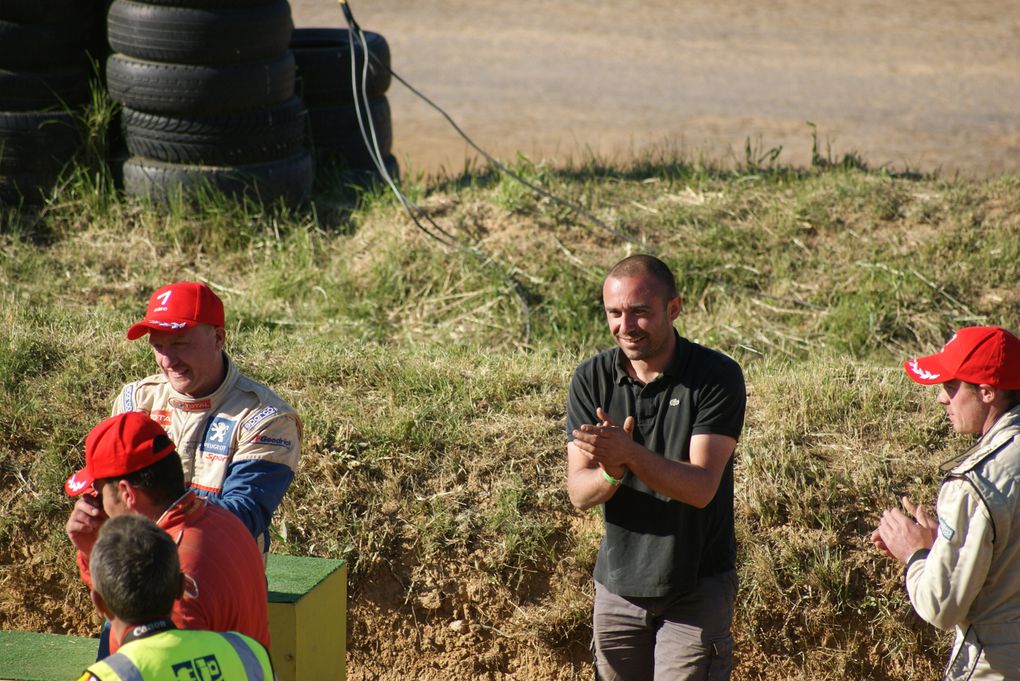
x=432, y=385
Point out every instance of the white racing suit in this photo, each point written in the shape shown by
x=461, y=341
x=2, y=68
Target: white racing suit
x=970, y=579
x=239, y=445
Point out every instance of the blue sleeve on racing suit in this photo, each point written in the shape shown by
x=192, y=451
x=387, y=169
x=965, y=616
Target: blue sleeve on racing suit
x=252, y=490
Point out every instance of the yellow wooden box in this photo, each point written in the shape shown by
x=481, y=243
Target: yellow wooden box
x=307, y=618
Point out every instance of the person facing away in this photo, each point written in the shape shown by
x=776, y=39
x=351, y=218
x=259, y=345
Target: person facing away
x=136, y=578
x=963, y=568
x=131, y=467
x=651, y=426
x=239, y=442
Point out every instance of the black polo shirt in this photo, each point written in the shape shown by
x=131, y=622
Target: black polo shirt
x=654, y=545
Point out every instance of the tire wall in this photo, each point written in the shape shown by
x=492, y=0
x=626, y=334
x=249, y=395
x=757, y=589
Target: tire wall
x=48, y=52
x=207, y=89
x=330, y=81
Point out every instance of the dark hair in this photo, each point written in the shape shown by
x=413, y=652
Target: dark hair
x=163, y=481
x=1012, y=397
x=135, y=569
x=636, y=265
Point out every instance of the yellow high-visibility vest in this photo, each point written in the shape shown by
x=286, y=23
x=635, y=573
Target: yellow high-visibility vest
x=186, y=655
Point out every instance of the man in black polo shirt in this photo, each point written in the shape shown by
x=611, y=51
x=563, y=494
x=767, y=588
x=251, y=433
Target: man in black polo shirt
x=652, y=426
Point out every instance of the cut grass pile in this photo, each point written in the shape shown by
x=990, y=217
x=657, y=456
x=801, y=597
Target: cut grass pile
x=432, y=384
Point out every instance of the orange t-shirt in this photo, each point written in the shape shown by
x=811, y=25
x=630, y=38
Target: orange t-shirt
x=224, y=573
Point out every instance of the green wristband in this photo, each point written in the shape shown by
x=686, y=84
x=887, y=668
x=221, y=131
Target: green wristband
x=610, y=479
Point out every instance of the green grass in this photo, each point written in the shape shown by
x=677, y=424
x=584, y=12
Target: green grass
x=432, y=382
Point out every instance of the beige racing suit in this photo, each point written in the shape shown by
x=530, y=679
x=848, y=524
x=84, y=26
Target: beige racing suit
x=970, y=579
x=239, y=445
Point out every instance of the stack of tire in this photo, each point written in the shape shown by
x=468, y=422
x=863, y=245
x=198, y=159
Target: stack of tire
x=207, y=88
x=45, y=79
x=334, y=98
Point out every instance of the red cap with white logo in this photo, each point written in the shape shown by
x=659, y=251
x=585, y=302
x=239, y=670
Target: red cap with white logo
x=977, y=354
x=117, y=447
x=179, y=307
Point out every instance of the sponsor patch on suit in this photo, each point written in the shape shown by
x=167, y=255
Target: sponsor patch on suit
x=219, y=433
x=258, y=418
x=272, y=441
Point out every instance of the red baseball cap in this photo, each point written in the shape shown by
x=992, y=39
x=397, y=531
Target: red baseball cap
x=977, y=354
x=117, y=447
x=179, y=307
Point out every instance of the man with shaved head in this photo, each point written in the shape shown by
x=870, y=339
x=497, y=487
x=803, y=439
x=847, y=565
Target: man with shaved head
x=651, y=426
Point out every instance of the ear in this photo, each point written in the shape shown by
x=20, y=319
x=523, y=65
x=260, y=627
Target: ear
x=128, y=494
x=221, y=337
x=987, y=394
x=673, y=308
x=100, y=604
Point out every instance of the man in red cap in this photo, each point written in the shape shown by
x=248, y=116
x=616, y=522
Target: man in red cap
x=131, y=467
x=963, y=569
x=239, y=442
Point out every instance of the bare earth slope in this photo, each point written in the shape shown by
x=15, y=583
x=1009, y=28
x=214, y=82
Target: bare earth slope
x=933, y=85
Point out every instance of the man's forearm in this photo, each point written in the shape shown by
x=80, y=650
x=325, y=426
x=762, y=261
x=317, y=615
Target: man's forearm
x=678, y=480
x=588, y=487
x=587, y=484
x=252, y=490
x=694, y=482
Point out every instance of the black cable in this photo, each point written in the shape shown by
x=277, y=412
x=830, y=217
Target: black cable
x=371, y=139
x=414, y=211
x=503, y=168
x=499, y=165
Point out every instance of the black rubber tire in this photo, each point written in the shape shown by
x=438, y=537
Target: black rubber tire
x=44, y=11
x=323, y=60
x=367, y=177
x=97, y=45
x=193, y=89
x=60, y=87
x=39, y=46
x=392, y=167
x=184, y=35
x=289, y=178
x=335, y=132
x=28, y=188
x=218, y=140
x=38, y=142
x=115, y=163
x=203, y=4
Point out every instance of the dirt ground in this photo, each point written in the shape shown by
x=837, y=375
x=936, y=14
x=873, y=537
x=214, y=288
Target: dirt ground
x=926, y=86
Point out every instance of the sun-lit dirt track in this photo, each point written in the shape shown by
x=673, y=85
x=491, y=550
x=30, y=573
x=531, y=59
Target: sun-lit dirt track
x=932, y=85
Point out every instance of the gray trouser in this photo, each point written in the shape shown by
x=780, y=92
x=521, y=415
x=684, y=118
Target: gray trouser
x=681, y=637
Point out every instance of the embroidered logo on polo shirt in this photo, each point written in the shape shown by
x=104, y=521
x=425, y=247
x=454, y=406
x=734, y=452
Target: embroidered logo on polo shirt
x=674, y=402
